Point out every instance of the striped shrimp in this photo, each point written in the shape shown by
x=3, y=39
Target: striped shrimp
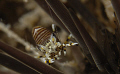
x=47, y=43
